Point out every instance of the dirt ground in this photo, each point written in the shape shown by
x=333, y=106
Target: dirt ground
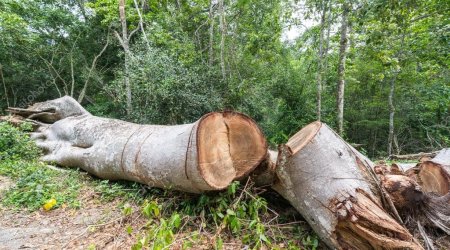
x=99, y=224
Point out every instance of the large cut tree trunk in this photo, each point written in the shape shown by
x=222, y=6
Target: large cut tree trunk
x=205, y=155
x=334, y=187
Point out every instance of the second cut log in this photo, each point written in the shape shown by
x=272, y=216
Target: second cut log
x=334, y=187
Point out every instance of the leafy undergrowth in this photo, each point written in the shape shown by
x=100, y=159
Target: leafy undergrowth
x=243, y=216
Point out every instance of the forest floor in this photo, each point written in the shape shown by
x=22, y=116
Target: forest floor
x=96, y=214
x=98, y=225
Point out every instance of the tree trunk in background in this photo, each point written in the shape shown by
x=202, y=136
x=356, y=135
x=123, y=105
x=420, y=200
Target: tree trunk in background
x=94, y=63
x=327, y=40
x=211, y=34
x=222, y=40
x=4, y=85
x=141, y=24
x=320, y=61
x=205, y=155
x=341, y=67
x=126, y=47
x=336, y=190
x=391, y=114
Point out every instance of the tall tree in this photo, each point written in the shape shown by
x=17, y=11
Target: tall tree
x=343, y=44
x=211, y=33
x=320, y=61
x=223, y=29
x=125, y=42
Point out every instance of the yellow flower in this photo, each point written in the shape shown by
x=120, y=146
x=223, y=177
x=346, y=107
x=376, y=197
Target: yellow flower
x=49, y=204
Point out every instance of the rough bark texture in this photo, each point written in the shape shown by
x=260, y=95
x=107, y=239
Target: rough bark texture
x=334, y=187
x=205, y=155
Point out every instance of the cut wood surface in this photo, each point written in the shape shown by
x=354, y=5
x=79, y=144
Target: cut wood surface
x=400, y=167
x=419, y=206
x=205, y=155
x=334, y=187
x=420, y=193
x=434, y=175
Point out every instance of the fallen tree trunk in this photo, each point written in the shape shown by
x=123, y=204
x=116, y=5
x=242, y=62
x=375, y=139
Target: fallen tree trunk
x=334, y=187
x=205, y=155
x=426, y=204
x=434, y=175
x=417, y=156
x=330, y=183
x=412, y=201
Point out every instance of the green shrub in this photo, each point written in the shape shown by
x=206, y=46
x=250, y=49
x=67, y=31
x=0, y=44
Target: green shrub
x=15, y=144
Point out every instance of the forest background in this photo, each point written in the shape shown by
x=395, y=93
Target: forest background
x=376, y=71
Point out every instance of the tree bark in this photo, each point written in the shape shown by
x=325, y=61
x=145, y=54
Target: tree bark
x=141, y=24
x=4, y=85
x=124, y=41
x=222, y=40
x=327, y=40
x=91, y=69
x=205, y=155
x=334, y=187
x=341, y=68
x=391, y=114
x=320, y=61
x=211, y=34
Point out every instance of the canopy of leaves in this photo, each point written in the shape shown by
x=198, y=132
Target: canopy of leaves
x=192, y=57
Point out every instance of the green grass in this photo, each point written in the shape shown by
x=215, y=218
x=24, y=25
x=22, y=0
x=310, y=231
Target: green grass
x=236, y=214
x=35, y=184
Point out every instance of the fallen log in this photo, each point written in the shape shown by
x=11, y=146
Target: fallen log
x=336, y=190
x=205, y=155
x=434, y=174
x=330, y=183
x=417, y=156
x=412, y=201
x=420, y=192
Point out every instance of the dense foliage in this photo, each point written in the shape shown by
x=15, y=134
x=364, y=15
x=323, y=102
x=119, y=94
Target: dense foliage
x=186, y=58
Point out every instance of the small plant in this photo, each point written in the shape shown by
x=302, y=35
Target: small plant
x=236, y=212
x=311, y=242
